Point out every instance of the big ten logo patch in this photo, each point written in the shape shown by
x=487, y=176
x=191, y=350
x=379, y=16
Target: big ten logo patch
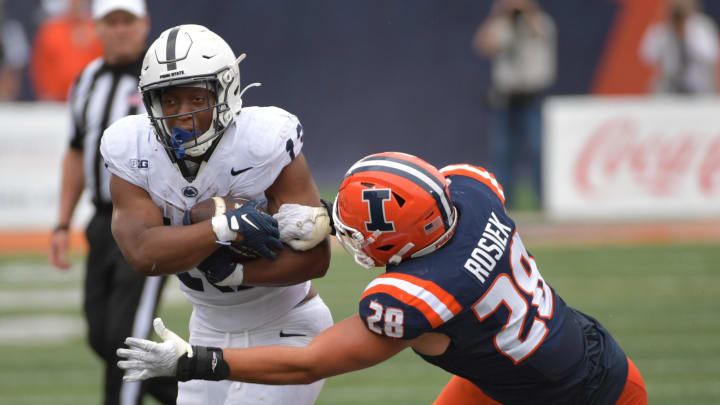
x=139, y=163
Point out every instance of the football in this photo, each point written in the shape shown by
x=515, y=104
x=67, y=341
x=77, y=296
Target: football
x=214, y=206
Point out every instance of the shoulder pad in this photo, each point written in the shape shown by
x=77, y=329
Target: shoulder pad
x=271, y=134
x=403, y=306
x=119, y=147
x=478, y=173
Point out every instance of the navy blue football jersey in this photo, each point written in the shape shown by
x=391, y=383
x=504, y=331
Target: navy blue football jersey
x=511, y=333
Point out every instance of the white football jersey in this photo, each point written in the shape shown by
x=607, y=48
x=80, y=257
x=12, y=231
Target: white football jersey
x=248, y=158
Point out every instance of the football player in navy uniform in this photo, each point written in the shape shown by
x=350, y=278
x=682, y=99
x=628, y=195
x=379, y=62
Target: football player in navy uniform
x=459, y=288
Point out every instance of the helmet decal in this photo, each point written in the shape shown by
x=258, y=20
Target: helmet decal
x=170, y=49
x=376, y=207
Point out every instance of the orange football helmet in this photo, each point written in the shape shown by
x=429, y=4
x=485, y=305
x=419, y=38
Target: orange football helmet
x=392, y=206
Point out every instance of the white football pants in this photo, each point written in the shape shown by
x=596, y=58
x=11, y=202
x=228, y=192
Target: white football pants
x=308, y=319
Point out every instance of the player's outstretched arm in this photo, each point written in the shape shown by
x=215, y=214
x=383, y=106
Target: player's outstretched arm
x=149, y=246
x=346, y=346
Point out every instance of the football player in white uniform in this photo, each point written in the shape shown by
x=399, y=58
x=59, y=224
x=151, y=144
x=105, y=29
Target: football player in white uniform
x=194, y=143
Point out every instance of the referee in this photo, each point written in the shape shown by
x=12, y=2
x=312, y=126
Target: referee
x=118, y=301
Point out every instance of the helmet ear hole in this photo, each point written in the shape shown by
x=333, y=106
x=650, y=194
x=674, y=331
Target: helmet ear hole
x=400, y=200
x=385, y=247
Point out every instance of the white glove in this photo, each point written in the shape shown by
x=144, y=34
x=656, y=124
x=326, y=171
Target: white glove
x=302, y=227
x=149, y=359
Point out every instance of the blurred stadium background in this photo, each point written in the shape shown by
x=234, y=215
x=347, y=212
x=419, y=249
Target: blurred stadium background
x=631, y=221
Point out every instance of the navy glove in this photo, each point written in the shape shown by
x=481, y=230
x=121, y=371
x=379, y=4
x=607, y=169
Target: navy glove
x=259, y=230
x=219, y=266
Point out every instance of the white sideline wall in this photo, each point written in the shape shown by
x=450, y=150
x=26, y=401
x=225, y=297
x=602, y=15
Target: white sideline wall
x=621, y=158
x=631, y=158
x=33, y=140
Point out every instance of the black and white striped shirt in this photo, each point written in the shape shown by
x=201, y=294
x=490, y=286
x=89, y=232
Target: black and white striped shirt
x=101, y=95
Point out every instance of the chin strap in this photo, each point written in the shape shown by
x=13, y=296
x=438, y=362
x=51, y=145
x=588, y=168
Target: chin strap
x=397, y=257
x=256, y=84
x=249, y=86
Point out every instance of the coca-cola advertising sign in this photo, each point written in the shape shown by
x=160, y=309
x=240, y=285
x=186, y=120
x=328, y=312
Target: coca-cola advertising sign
x=639, y=157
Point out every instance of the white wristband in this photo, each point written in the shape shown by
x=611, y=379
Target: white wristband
x=220, y=207
x=222, y=231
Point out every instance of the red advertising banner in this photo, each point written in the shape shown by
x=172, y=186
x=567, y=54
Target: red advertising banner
x=632, y=157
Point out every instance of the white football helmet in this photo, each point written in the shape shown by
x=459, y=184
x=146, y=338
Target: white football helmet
x=191, y=56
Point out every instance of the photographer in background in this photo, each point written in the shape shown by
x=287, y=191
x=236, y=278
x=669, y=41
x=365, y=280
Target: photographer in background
x=520, y=39
x=683, y=49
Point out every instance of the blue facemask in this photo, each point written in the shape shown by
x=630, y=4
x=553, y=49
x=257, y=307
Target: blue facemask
x=179, y=137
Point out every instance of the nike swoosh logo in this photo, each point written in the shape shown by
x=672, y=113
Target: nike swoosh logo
x=236, y=172
x=283, y=334
x=244, y=218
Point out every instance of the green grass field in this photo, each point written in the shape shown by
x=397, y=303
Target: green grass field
x=660, y=302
